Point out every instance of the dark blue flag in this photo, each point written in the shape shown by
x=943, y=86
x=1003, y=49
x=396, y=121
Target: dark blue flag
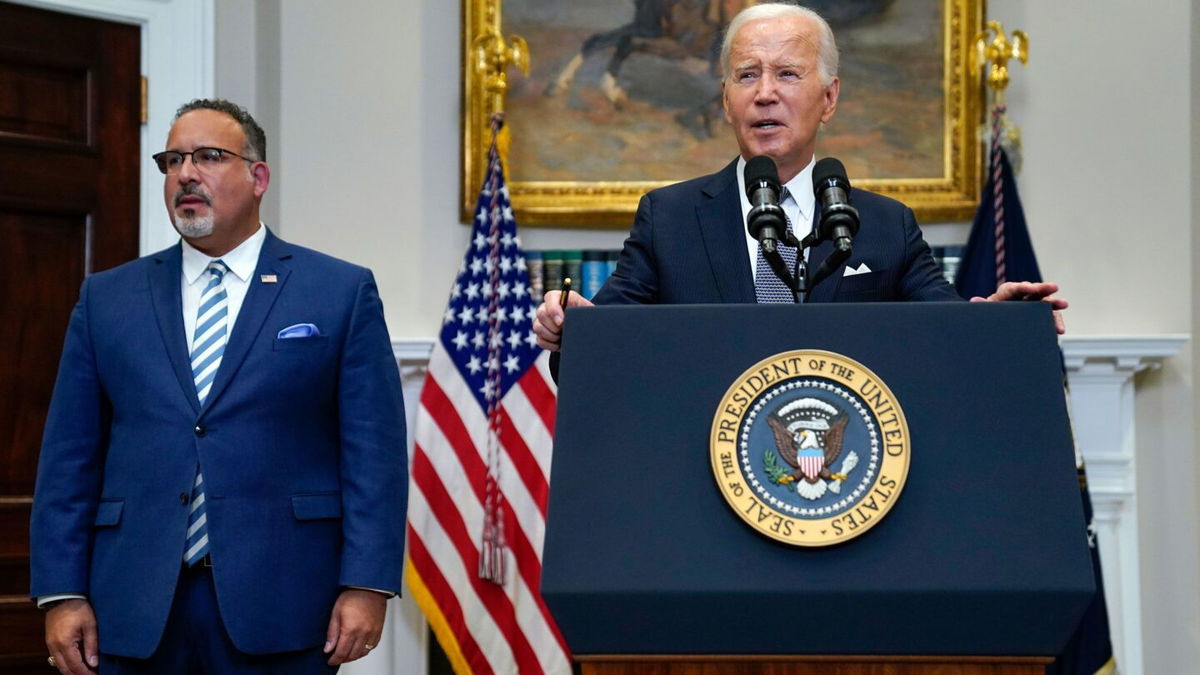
x=1089, y=651
x=985, y=265
x=977, y=273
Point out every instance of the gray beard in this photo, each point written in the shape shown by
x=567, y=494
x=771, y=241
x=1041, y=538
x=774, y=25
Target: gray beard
x=194, y=228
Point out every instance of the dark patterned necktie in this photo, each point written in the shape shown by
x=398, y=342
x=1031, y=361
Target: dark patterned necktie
x=769, y=288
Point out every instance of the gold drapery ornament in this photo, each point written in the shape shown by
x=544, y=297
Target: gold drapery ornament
x=491, y=57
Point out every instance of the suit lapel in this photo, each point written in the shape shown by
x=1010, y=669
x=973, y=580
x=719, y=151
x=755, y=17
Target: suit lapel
x=721, y=229
x=827, y=289
x=260, y=297
x=166, y=296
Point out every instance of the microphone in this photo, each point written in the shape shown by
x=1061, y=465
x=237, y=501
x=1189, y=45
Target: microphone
x=839, y=220
x=766, y=221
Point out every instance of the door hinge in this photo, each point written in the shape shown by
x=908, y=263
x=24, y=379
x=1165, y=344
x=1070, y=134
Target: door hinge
x=145, y=100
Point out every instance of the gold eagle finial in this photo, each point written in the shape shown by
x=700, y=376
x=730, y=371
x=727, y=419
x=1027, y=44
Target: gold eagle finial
x=492, y=56
x=994, y=50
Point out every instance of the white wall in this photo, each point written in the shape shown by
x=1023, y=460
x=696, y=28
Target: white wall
x=369, y=102
x=1108, y=109
x=362, y=104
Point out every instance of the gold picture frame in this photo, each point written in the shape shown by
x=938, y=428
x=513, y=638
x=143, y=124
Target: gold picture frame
x=946, y=188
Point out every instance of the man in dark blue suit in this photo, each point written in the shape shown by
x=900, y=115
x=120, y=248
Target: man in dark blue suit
x=689, y=242
x=222, y=483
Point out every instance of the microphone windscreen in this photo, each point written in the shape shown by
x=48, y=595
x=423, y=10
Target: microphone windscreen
x=829, y=170
x=758, y=169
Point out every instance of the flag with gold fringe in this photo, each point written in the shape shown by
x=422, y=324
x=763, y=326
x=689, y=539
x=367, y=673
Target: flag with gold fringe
x=481, y=460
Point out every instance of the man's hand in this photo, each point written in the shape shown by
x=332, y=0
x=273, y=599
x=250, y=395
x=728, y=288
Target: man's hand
x=71, y=637
x=1029, y=290
x=548, y=324
x=355, y=625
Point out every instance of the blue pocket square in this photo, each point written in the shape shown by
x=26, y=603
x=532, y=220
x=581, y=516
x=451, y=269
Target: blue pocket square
x=300, y=330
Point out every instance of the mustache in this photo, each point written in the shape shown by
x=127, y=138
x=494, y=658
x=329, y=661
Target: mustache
x=192, y=191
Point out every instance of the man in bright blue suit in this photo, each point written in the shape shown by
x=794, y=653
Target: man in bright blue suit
x=689, y=242
x=222, y=484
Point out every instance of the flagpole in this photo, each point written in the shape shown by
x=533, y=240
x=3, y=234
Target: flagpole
x=994, y=55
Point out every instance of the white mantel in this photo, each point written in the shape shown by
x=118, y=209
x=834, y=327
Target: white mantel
x=1101, y=373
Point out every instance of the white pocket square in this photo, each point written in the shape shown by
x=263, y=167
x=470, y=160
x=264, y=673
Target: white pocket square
x=861, y=269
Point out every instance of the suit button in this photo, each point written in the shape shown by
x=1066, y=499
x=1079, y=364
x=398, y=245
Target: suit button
x=183, y=498
x=200, y=430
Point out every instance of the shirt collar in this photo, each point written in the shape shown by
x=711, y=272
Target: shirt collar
x=241, y=261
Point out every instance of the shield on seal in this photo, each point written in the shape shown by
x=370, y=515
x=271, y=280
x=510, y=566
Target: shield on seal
x=811, y=461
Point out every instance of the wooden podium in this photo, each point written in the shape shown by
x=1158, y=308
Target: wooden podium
x=813, y=665
x=980, y=567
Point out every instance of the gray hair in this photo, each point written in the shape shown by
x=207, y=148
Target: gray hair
x=256, y=139
x=827, y=53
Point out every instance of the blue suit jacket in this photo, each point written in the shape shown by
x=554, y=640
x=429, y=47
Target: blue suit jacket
x=301, y=441
x=688, y=246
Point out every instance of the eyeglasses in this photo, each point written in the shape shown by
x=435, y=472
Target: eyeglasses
x=204, y=159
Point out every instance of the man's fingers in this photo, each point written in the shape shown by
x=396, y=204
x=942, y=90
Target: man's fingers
x=71, y=637
x=70, y=660
x=59, y=660
x=331, y=633
x=349, y=647
x=549, y=318
x=357, y=615
x=345, y=647
x=547, y=326
x=91, y=645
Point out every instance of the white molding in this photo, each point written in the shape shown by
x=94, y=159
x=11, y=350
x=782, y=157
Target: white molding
x=412, y=351
x=177, y=60
x=1101, y=373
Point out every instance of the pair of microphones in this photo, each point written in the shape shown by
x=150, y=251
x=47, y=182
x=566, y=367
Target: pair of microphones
x=838, y=221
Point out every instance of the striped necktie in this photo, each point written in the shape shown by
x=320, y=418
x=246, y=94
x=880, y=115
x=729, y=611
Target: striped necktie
x=208, y=345
x=768, y=288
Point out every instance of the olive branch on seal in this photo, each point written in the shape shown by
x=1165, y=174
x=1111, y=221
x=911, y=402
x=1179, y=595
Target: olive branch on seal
x=775, y=472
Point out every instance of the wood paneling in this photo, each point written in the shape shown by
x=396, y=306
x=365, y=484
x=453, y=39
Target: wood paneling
x=69, y=164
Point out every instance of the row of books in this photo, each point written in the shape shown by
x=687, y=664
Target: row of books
x=949, y=258
x=589, y=269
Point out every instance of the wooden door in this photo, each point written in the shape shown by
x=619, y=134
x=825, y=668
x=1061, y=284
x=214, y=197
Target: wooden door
x=70, y=97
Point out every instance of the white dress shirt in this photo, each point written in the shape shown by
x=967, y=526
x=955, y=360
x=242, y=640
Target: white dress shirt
x=241, y=262
x=799, y=207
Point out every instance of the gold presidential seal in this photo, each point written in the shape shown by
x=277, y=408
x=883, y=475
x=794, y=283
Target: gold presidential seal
x=810, y=448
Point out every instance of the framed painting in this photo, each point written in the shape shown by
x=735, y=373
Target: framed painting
x=607, y=113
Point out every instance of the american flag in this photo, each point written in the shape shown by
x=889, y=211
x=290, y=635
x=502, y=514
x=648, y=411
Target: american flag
x=481, y=461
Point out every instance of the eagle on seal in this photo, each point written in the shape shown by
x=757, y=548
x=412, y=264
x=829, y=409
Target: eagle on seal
x=808, y=436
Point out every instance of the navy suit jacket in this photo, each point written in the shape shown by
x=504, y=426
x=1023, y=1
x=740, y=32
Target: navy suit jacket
x=301, y=441
x=688, y=246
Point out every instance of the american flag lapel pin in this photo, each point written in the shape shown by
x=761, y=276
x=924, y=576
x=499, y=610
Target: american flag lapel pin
x=268, y=278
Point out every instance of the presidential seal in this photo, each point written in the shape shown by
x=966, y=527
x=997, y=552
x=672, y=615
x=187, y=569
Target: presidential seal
x=810, y=448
